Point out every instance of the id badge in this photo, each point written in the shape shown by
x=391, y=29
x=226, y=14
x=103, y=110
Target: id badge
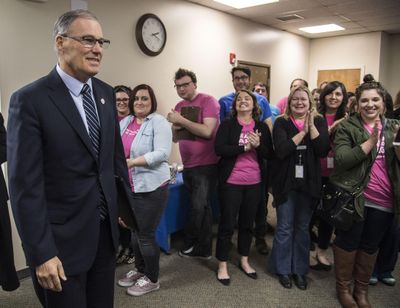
x=299, y=172
x=329, y=163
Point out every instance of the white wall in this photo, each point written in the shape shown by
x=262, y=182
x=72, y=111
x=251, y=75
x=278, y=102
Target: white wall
x=345, y=52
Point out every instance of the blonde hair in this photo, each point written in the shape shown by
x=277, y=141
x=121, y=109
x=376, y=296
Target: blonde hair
x=313, y=106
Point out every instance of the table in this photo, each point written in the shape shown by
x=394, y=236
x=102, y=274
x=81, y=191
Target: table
x=175, y=213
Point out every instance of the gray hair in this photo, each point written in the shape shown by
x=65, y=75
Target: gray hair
x=64, y=21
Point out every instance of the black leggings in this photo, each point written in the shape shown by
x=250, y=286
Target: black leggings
x=234, y=199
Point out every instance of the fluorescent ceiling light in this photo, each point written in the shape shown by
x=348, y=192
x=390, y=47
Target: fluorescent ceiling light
x=240, y=4
x=322, y=28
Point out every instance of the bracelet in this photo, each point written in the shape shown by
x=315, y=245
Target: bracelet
x=396, y=144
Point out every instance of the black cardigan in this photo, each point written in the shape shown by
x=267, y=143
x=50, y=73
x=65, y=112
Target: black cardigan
x=228, y=148
x=283, y=169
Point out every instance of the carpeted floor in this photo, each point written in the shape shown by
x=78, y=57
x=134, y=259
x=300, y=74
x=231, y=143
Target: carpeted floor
x=192, y=283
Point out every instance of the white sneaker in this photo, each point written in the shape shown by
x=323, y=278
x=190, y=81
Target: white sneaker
x=129, y=279
x=142, y=286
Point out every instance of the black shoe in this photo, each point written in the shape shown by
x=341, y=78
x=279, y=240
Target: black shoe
x=300, y=281
x=320, y=266
x=285, y=281
x=262, y=247
x=224, y=281
x=252, y=275
x=191, y=253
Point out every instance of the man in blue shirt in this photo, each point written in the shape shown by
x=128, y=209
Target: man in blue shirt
x=241, y=80
x=261, y=88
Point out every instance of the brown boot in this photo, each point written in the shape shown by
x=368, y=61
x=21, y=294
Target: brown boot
x=363, y=268
x=344, y=263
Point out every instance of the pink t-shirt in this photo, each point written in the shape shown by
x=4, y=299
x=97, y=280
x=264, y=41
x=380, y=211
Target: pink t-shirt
x=281, y=105
x=246, y=170
x=127, y=138
x=200, y=152
x=379, y=189
x=298, y=123
x=327, y=163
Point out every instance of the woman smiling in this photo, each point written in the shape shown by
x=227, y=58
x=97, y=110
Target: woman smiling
x=300, y=140
x=367, y=164
x=242, y=142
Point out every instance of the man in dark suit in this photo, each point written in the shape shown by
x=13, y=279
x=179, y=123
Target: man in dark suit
x=64, y=149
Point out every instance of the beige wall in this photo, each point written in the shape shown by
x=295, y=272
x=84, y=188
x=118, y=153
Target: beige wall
x=351, y=51
x=392, y=76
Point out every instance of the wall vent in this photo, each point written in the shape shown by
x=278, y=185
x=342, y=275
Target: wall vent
x=290, y=17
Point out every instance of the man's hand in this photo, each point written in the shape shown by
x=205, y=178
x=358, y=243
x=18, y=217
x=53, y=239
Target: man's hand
x=174, y=117
x=49, y=274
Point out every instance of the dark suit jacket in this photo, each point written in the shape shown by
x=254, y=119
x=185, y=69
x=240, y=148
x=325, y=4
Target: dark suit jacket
x=54, y=176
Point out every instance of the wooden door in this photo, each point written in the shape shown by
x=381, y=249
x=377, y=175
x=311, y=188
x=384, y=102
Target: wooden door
x=259, y=73
x=349, y=77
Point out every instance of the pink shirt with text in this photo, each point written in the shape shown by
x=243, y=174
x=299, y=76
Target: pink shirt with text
x=379, y=189
x=246, y=170
x=200, y=152
x=326, y=168
x=127, y=139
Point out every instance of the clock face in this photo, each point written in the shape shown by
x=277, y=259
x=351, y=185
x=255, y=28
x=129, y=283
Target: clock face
x=151, y=34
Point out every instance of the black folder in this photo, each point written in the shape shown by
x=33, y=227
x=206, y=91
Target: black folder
x=125, y=204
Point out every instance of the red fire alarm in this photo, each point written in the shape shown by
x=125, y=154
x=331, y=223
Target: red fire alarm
x=232, y=58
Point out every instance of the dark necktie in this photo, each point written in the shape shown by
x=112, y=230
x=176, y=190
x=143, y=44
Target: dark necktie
x=94, y=134
x=91, y=118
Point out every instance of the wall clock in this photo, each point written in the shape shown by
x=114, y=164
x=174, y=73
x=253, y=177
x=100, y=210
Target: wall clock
x=151, y=35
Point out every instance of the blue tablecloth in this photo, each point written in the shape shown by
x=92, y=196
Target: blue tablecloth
x=176, y=211
x=174, y=216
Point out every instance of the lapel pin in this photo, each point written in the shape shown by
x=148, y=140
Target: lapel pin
x=102, y=101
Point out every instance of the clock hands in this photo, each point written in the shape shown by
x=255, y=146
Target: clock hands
x=155, y=34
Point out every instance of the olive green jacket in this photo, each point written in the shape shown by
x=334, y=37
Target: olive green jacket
x=352, y=165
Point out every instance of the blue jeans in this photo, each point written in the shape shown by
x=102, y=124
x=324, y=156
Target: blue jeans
x=200, y=182
x=290, y=251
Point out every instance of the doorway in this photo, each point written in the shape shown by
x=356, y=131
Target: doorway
x=259, y=73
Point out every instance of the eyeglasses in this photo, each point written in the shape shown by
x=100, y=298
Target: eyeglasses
x=124, y=99
x=89, y=41
x=183, y=85
x=242, y=78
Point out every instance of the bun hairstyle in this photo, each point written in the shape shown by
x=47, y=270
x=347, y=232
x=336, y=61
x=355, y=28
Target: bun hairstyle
x=369, y=78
